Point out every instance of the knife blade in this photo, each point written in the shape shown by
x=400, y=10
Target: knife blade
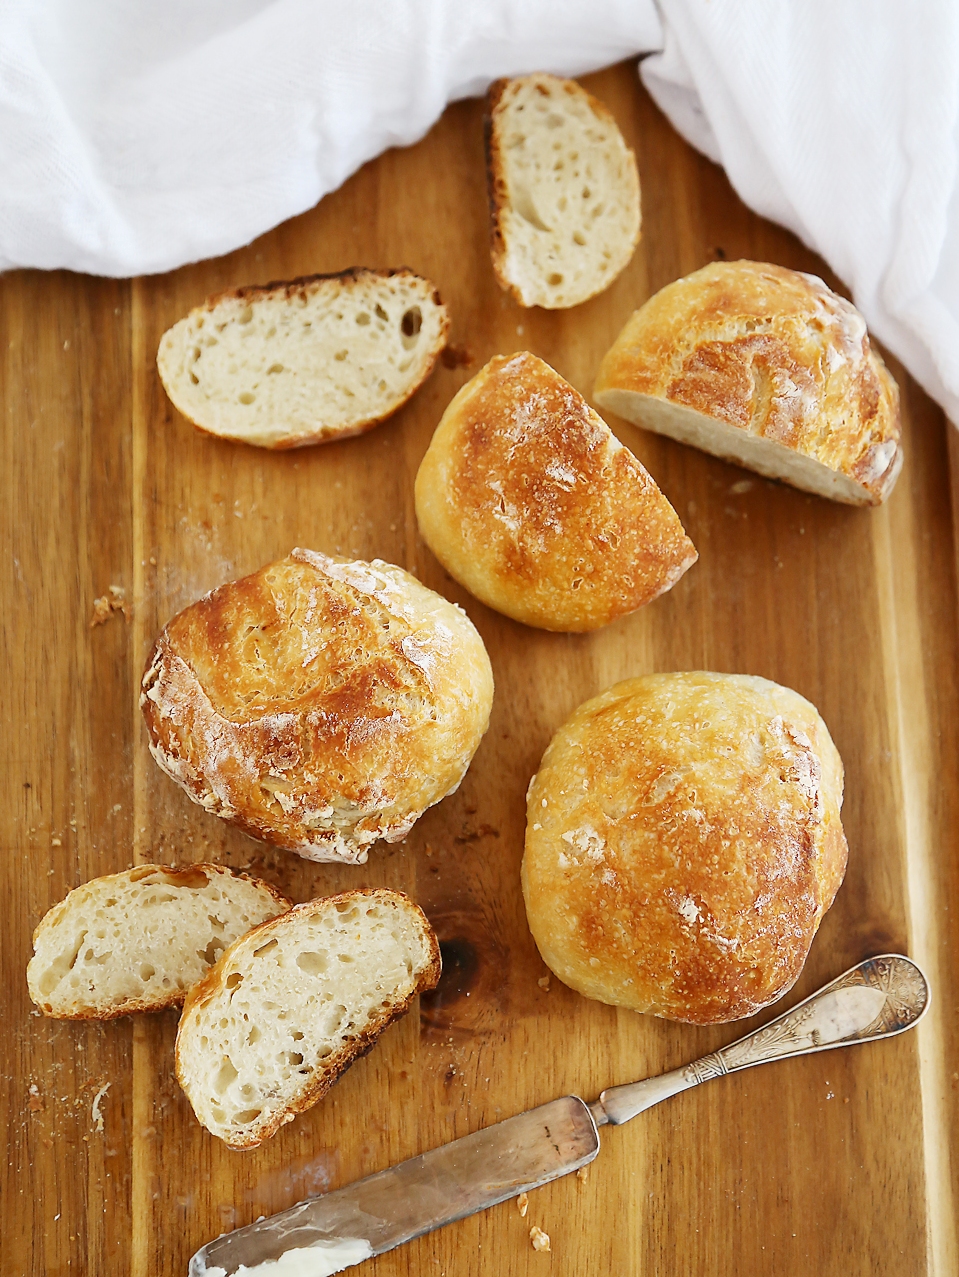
x=394, y=1206
x=879, y=998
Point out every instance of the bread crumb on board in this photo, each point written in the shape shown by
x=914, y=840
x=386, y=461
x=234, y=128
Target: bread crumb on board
x=583, y=1174
x=105, y=606
x=543, y=983
x=522, y=1204
x=95, y=1112
x=538, y=1239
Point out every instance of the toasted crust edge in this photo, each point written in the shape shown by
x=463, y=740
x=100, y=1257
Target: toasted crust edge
x=361, y=1045
x=133, y=1006
x=289, y=287
x=496, y=182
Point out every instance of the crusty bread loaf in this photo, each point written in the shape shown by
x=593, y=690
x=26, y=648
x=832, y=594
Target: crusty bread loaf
x=319, y=703
x=306, y=361
x=529, y=500
x=683, y=842
x=563, y=191
x=293, y=1003
x=139, y=940
x=766, y=367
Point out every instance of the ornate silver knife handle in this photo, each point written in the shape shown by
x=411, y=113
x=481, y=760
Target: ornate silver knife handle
x=877, y=999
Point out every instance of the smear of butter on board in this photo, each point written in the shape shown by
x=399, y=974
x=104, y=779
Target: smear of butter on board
x=322, y=1260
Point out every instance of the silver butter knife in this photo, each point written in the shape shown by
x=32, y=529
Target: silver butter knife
x=876, y=999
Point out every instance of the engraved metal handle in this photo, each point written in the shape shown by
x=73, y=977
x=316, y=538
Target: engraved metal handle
x=877, y=999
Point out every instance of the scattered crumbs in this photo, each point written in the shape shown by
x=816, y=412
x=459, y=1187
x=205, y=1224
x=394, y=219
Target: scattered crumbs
x=35, y=1102
x=522, y=1204
x=519, y=330
x=95, y=1111
x=583, y=1174
x=153, y=561
x=744, y=485
x=55, y=842
x=104, y=607
x=543, y=983
x=539, y=1239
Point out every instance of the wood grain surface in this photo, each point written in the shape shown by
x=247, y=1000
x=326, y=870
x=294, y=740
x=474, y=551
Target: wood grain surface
x=841, y=1163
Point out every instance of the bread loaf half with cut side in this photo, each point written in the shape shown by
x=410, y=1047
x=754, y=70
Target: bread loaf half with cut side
x=139, y=940
x=528, y=499
x=292, y=1004
x=563, y=191
x=768, y=368
x=304, y=361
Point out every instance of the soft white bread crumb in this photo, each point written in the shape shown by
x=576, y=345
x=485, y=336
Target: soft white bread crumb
x=306, y=361
x=563, y=188
x=139, y=940
x=290, y=1006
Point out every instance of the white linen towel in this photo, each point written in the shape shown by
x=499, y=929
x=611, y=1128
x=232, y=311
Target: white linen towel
x=136, y=138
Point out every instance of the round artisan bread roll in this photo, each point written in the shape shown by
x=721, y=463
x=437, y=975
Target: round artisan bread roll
x=320, y=703
x=766, y=367
x=528, y=499
x=683, y=843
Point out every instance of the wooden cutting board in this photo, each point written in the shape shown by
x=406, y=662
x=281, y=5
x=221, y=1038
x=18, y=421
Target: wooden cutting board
x=838, y=1164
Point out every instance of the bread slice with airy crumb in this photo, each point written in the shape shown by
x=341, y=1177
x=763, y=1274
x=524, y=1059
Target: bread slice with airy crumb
x=139, y=940
x=292, y=1004
x=563, y=191
x=304, y=361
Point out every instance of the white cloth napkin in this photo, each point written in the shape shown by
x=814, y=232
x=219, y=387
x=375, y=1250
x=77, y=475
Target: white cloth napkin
x=135, y=138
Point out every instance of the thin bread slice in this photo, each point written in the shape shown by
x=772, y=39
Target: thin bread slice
x=766, y=367
x=528, y=499
x=292, y=1004
x=563, y=191
x=304, y=361
x=139, y=940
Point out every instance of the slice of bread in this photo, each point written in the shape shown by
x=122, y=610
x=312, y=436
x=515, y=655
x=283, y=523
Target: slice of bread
x=139, y=940
x=563, y=191
x=768, y=368
x=307, y=361
x=292, y=1004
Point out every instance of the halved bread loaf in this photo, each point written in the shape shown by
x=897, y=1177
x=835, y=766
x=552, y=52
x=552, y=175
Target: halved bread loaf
x=319, y=703
x=766, y=367
x=292, y=1004
x=528, y=499
x=306, y=361
x=563, y=191
x=139, y=940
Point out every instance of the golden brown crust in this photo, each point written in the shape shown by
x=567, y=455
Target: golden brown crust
x=496, y=188
x=772, y=352
x=528, y=499
x=185, y=876
x=335, y=1065
x=301, y=286
x=683, y=843
x=319, y=703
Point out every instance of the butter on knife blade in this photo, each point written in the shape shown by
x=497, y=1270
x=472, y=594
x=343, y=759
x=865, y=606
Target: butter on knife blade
x=320, y=1260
